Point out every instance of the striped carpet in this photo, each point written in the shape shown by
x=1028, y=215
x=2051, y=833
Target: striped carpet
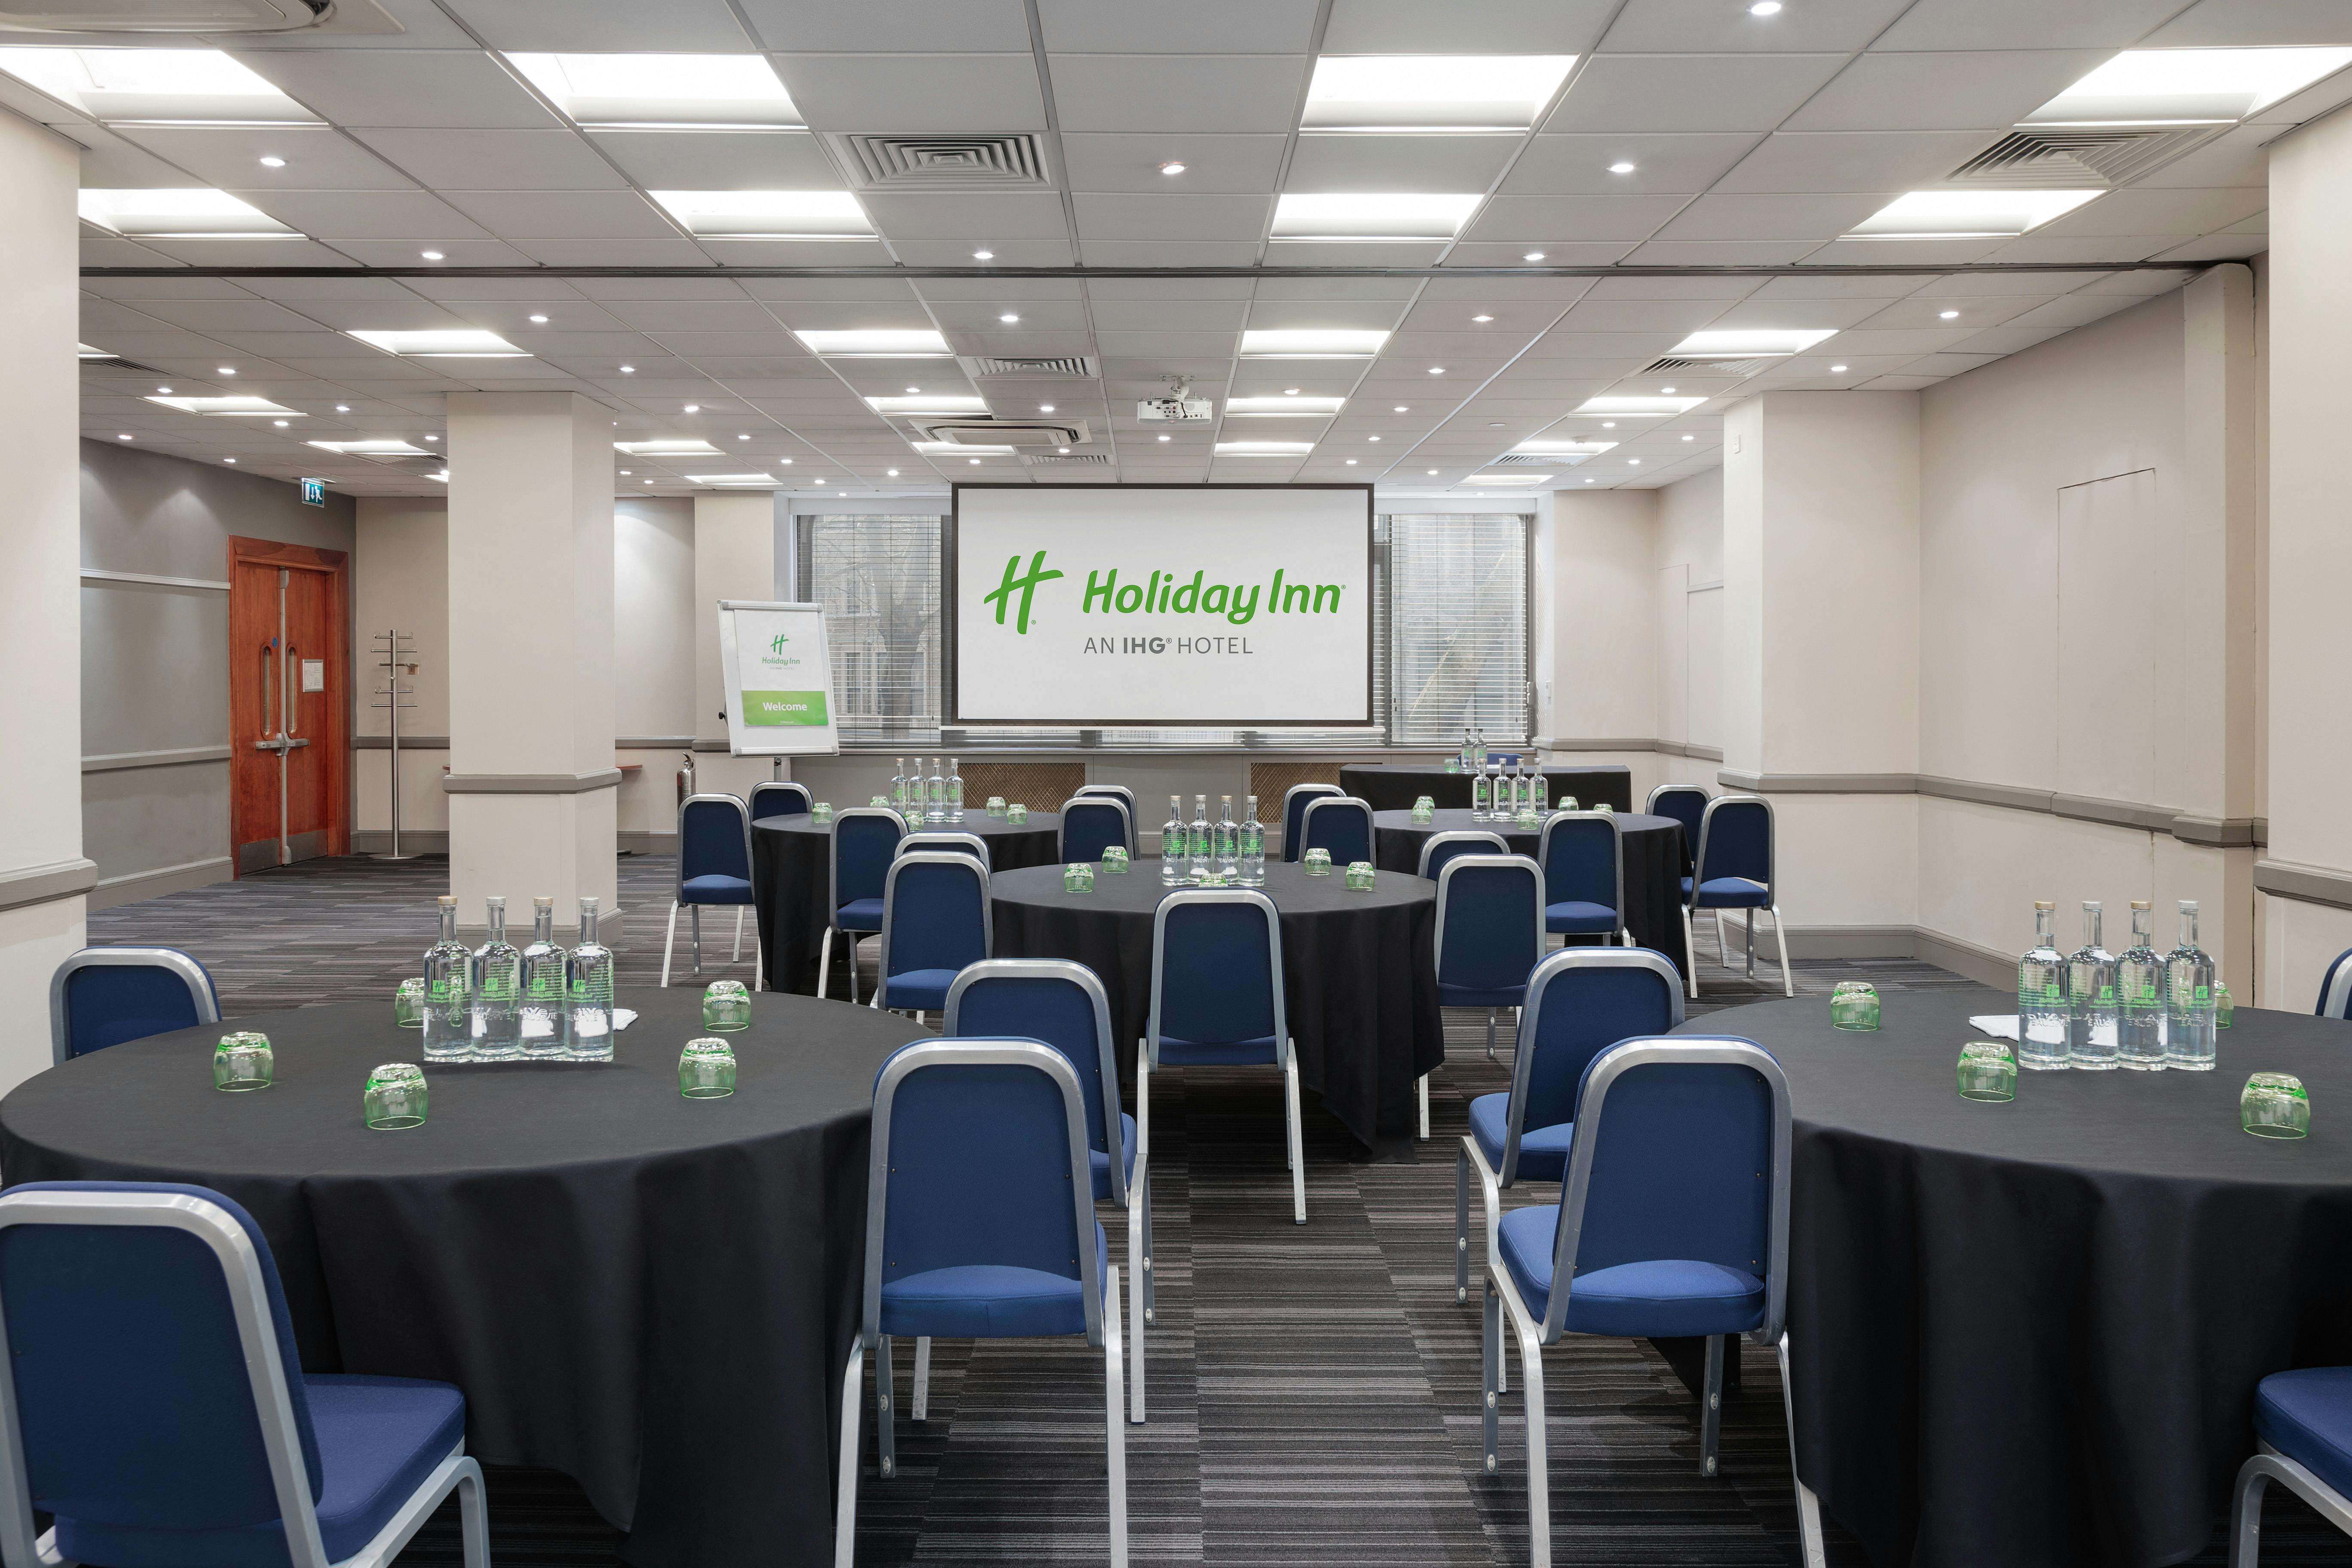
x=1313, y=1391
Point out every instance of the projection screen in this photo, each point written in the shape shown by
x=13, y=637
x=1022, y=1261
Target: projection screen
x=1229, y=605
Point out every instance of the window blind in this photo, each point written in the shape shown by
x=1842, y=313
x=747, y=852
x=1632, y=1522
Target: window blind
x=879, y=579
x=1456, y=609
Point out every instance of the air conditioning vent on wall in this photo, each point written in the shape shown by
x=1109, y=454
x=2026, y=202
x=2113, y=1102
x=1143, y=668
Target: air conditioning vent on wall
x=1685, y=365
x=2072, y=157
x=882, y=162
x=1062, y=364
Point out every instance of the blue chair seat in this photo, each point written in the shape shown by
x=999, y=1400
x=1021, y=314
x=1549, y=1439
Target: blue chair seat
x=2307, y=1415
x=1575, y=915
x=991, y=1300
x=920, y=990
x=1480, y=995
x=859, y=914
x=1730, y=893
x=715, y=889
x=378, y=1438
x=1260, y=1052
x=1099, y=1159
x=1665, y=1298
x=1543, y=1151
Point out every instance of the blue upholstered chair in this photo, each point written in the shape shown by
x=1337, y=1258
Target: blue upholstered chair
x=864, y=843
x=936, y=918
x=1732, y=869
x=1122, y=793
x=2303, y=1431
x=2335, y=989
x=1216, y=1000
x=779, y=798
x=102, y=997
x=1293, y=816
x=1672, y=1223
x=1341, y=825
x=714, y=867
x=1583, y=857
x=1017, y=1256
x=1685, y=804
x=1092, y=824
x=1063, y=1004
x=156, y=1407
x=1439, y=847
x=936, y=840
x=1487, y=938
x=1581, y=1001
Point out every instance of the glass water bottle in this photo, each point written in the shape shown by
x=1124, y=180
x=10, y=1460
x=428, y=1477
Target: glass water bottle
x=1172, y=850
x=2139, y=980
x=935, y=796
x=1229, y=842
x=955, y=793
x=546, y=1020
x=448, y=992
x=2091, y=997
x=2042, y=1024
x=1252, y=848
x=2189, y=1000
x=1539, y=790
x=1196, y=840
x=498, y=991
x=1482, y=797
x=899, y=785
x=589, y=973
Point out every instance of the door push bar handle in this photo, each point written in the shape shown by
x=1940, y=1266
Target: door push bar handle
x=281, y=745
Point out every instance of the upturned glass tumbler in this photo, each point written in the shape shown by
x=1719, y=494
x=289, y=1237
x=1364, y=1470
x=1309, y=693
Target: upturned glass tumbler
x=408, y=1004
x=1115, y=862
x=242, y=1061
x=394, y=1098
x=706, y=1070
x=1854, y=1006
x=1077, y=877
x=1360, y=876
x=1987, y=1071
x=2274, y=1105
x=726, y=1005
x=1316, y=862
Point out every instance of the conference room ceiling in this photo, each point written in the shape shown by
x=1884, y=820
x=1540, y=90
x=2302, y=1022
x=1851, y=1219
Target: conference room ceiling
x=1752, y=140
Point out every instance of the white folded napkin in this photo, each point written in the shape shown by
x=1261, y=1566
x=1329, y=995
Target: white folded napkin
x=2000, y=1026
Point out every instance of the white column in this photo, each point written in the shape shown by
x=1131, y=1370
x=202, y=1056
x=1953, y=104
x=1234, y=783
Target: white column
x=44, y=876
x=532, y=781
x=734, y=558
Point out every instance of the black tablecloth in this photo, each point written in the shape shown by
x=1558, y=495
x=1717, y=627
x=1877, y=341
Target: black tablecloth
x=1653, y=864
x=791, y=859
x=1360, y=981
x=1394, y=786
x=653, y=1295
x=2030, y=1333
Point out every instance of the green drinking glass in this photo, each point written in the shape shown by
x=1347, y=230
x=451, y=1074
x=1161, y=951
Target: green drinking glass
x=1360, y=876
x=395, y=1098
x=1987, y=1071
x=2274, y=1105
x=1114, y=861
x=1854, y=1006
x=1316, y=862
x=408, y=1004
x=706, y=1070
x=726, y=1005
x=242, y=1061
x=1077, y=877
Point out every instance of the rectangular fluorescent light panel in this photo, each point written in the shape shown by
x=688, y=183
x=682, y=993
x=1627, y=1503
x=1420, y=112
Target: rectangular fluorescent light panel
x=1639, y=407
x=83, y=351
x=457, y=344
x=1432, y=92
x=1505, y=478
x=959, y=449
x=664, y=92
x=1284, y=407
x=179, y=215
x=1750, y=343
x=768, y=215
x=155, y=86
x=229, y=406
x=730, y=478
x=668, y=447
x=443, y=476
x=387, y=448
x=1372, y=215
x=1265, y=449
x=2188, y=87
x=1968, y=215
x=915, y=404
x=1311, y=342
x=877, y=343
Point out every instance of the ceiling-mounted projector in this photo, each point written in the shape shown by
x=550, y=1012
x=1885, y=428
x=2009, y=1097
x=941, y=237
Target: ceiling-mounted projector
x=1179, y=405
x=193, y=17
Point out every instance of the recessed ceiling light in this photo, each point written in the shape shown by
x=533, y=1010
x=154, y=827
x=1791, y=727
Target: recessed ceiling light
x=1493, y=424
x=343, y=408
x=667, y=447
x=179, y=214
x=1163, y=437
x=1438, y=369
x=626, y=472
x=628, y=369
x=1063, y=450
x=1634, y=462
x=432, y=255
x=820, y=480
x=1765, y=8
x=1533, y=256
x=1290, y=392
x=1371, y=437
x=1401, y=408
x=1667, y=390
x=433, y=437
x=1608, y=423
x=1432, y=92
x=273, y=162
x=1288, y=406
x=1837, y=370
x=155, y=86
x=539, y=320
x=1008, y=318
x=1966, y=215
x=887, y=342
x=279, y=423
x=1588, y=481
x=724, y=480
x=1482, y=318
x=1948, y=315
x=122, y=437
x=1172, y=167
x=768, y=215
x=934, y=404
x=1370, y=215
x=2188, y=87
x=1620, y=168
x=1351, y=462
x=644, y=481
x=1045, y=408
x=462, y=343
x=1639, y=407
x=231, y=406
x=390, y=447
x=983, y=255
x=664, y=92
x=1690, y=438
x=892, y=472
x=164, y=390
x=1265, y=449
x=228, y=459
x=694, y=408
x=1750, y=343
x=975, y=462
x=1314, y=342
x=225, y=370
x=1433, y=473
x=787, y=462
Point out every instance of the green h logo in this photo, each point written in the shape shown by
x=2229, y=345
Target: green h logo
x=778, y=645
x=1027, y=585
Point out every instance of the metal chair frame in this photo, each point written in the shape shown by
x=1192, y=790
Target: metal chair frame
x=1340, y=802
x=1771, y=898
x=890, y=908
x=2335, y=989
x=2254, y=1477
x=777, y=786
x=1623, y=935
x=1290, y=851
x=1497, y=843
x=833, y=895
x=1102, y=797
x=191, y=973
x=1123, y=794
x=926, y=837
x=677, y=898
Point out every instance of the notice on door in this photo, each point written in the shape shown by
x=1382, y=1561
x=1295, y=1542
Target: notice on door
x=779, y=676
x=314, y=675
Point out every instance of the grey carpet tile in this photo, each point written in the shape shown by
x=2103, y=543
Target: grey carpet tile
x=1313, y=1392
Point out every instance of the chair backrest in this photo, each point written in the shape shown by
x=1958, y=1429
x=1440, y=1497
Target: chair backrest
x=1341, y=825
x=941, y=841
x=102, y=997
x=1293, y=816
x=1735, y=840
x=1439, y=847
x=714, y=839
x=151, y=1370
x=946, y=1109
x=1091, y=823
x=779, y=797
x=1583, y=857
x=1134, y=806
x=1216, y=969
x=1685, y=804
x=1680, y=1153
x=864, y=843
x=1581, y=1001
x=2335, y=989
x=1490, y=922
x=1063, y=1004
x=935, y=912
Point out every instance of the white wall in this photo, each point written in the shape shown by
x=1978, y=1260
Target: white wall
x=1687, y=589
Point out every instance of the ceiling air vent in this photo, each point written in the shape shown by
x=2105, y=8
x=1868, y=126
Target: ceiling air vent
x=1048, y=459
x=882, y=162
x=2071, y=157
x=115, y=362
x=1521, y=460
x=1059, y=364
x=1687, y=365
x=194, y=17
x=1008, y=432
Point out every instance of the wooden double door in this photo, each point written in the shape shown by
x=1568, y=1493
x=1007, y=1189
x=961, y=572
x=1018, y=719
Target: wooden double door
x=289, y=702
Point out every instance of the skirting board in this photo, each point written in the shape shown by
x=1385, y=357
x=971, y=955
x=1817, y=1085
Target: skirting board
x=1965, y=959
x=436, y=841
x=132, y=887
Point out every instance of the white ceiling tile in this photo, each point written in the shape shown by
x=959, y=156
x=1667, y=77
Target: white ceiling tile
x=978, y=220
x=2010, y=340
x=1122, y=312
x=1963, y=285
x=1928, y=255
x=1199, y=27
x=1944, y=364
x=1067, y=315
x=1608, y=315
x=1169, y=345
x=495, y=160
x=605, y=26
x=921, y=26
x=98, y=250
x=1952, y=90
x=2243, y=23
x=1699, y=27
x=274, y=253
x=1794, y=313
x=1876, y=341
x=2218, y=248
x=1402, y=163
x=1687, y=93
x=115, y=165
x=1008, y=252
x=370, y=215
x=464, y=88
x=1511, y=323
x=986, y=288
x=1819, y=217
x=610, y=291
x=454, y=252
x=1600, y=253
x=2113, y=248
x=1719, y=252
x=701, y=348
x=1168, y=253
x=2181, y=212
x=1214, y=164
x=1558, y=293
x=522, y=216
x=1184, y=92
x=797, y=252
x=1923, y=310
x=1322, y=289
x=206, y=316
x=1724, y=289
x=229, y=157
x=1465, y=26
x=1579, y=164
x=830, y=290
x=2025, y=24
x=1889, y=160
x=721, y=160
x=919, y=93
x=1111, y=215
x=1541, y=219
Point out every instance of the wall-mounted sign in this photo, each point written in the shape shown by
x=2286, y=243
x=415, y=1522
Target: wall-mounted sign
x=779, y=678
x=314, y=492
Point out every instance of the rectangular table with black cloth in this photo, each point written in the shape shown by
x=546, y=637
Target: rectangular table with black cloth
x=1394, y=786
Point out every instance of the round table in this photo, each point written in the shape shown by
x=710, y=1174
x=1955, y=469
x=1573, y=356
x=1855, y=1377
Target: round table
x=2029, y=1333
x=1359, y=980
x=792, y=863
x=1394, y=786
x=1653, y=864
x=653, y=1295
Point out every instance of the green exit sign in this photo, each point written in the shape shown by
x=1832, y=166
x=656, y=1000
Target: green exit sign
x=314, y=492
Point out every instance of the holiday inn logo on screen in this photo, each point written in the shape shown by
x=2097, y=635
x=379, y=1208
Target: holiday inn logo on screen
x=777, y=643
x=1162, y=593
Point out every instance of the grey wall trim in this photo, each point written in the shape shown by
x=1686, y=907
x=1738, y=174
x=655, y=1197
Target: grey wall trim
x=2115, y=813
x=2222, y=831
x=638, y=841
x=530, y=783
x=722, y=745
x=27, y=885
x=1820, y=783
x=1963, y=958
x=2009, y=795
x=413, y=841
x=174, y=757
x=2212, y=832
x=408, y=742
x=92, y=574
x=1554, y=744
x=1678, y=749
x=656, y=743
x=134, y=885
x=1981, y=965
x=2305, y=884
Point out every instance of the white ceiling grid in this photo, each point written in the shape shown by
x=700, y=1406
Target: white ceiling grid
x=1753, y=141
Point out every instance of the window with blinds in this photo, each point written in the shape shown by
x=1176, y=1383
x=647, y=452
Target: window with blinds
x=1456, y=626
x=879, y=579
